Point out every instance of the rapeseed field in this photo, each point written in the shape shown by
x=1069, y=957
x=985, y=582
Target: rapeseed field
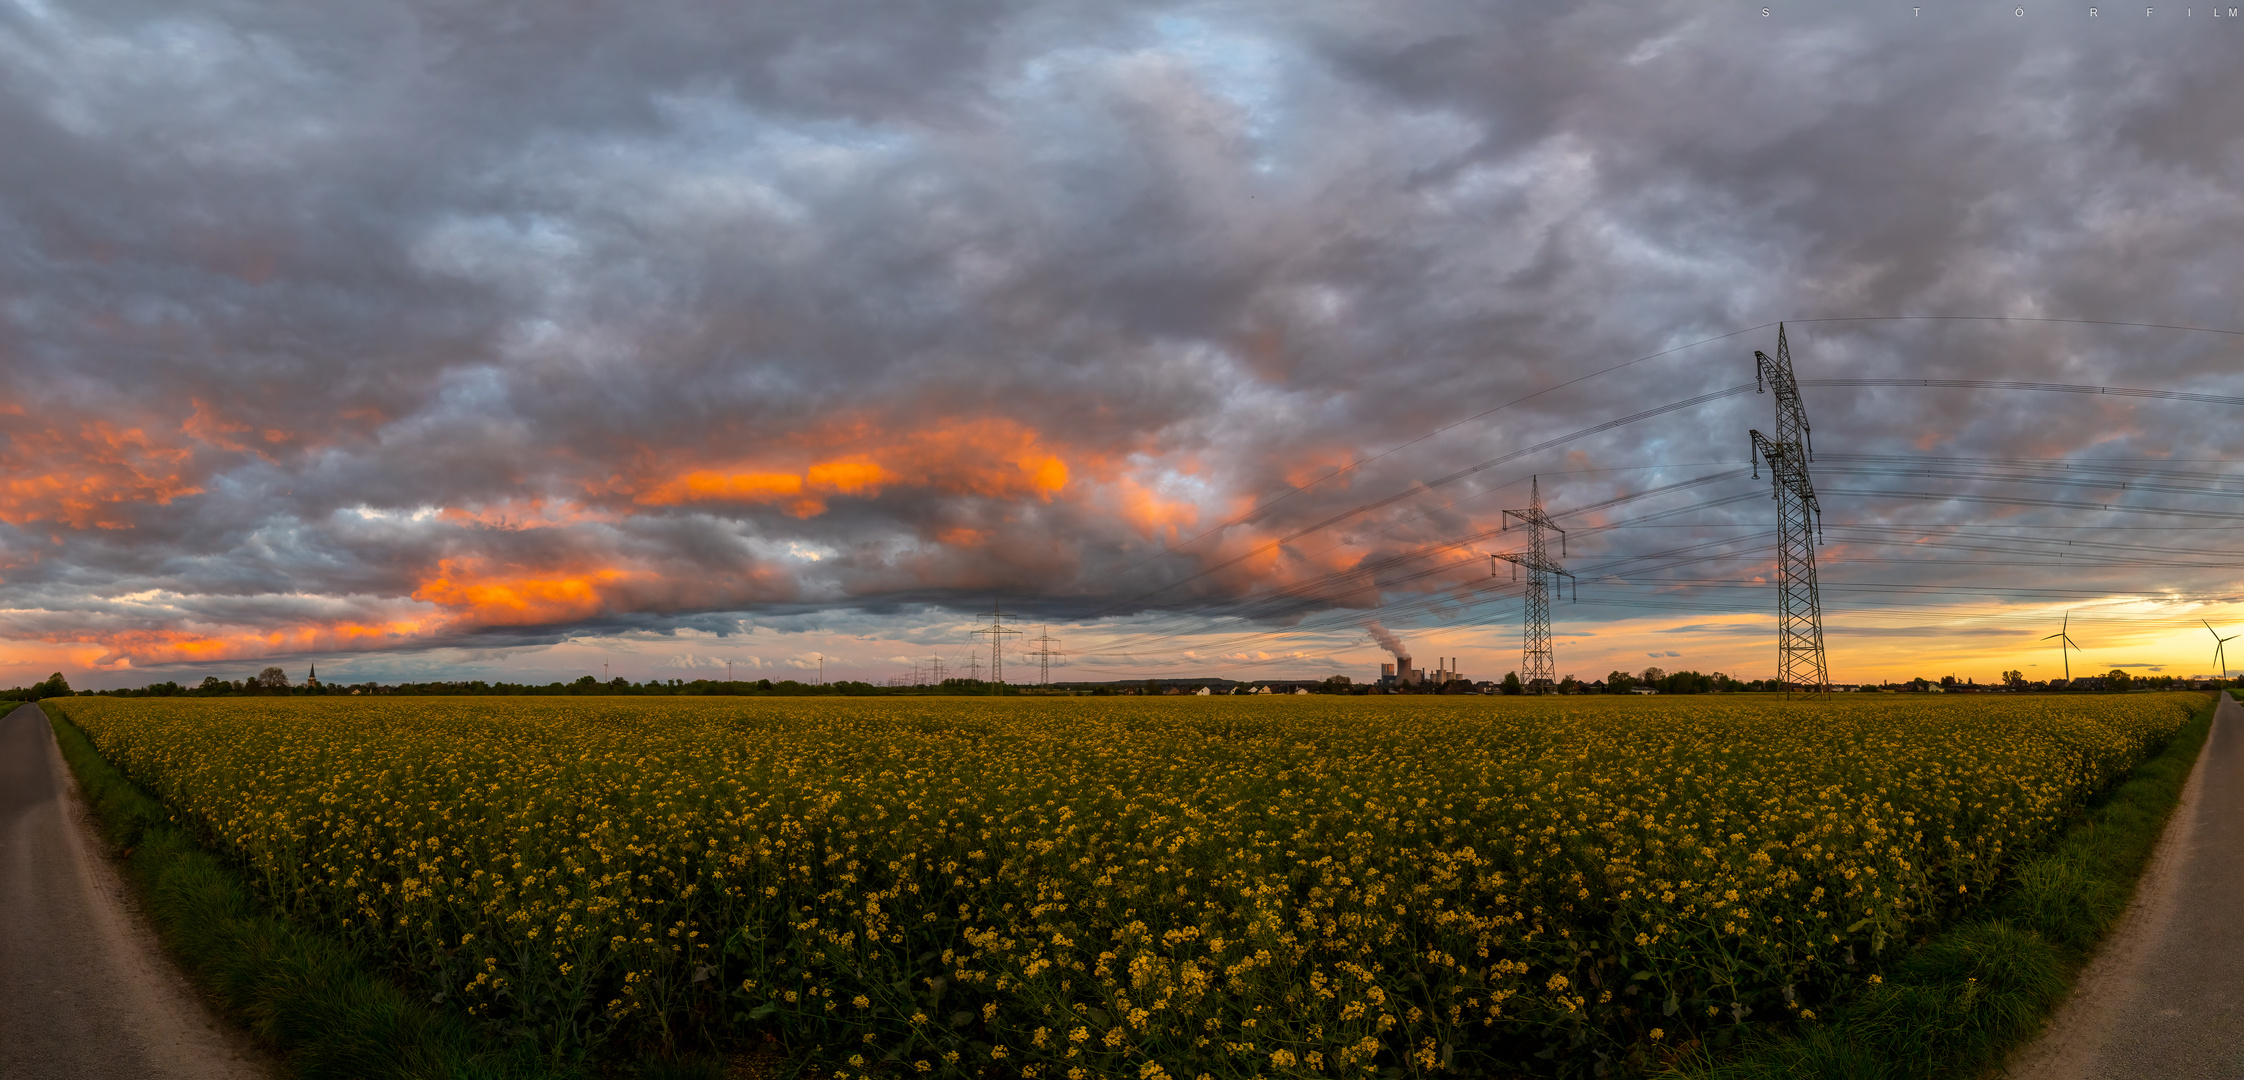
x=1147, y=888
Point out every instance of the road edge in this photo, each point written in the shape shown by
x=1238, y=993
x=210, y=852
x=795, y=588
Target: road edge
x=2080, y=1021
x=307, y=999
x=1966, y=1000
x=126, y=914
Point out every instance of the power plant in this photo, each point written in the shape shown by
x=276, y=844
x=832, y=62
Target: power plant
x=1400, y=675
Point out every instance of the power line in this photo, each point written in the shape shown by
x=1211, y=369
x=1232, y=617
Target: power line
x=1376, y=586
x=1295, y=597
x=2054, y=504
x=1290, y=492
x=1259, y=508
x=2009, y=318
x=1418, y=488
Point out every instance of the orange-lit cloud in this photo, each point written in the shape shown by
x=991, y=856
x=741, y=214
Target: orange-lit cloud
x=208, y=423
x=205, y=424
x=1153, y=515
x=994, y=458
x=962, y=537
x=480, y=596
x=90, y=477
x=143, y=647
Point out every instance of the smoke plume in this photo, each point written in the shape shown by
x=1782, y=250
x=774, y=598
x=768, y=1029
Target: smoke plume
x=1386, y=638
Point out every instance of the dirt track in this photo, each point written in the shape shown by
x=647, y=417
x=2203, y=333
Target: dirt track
x=86, y=993
x=2164, y=998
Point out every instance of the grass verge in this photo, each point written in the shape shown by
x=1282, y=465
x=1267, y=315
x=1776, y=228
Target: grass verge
x=1956, y=1004
x=309, y=997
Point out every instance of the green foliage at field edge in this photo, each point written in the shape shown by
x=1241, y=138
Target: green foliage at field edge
x=1957, y=1004
x=305, y=995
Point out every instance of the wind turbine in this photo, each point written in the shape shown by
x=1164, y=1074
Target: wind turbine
x=2220, y=647
x=2063, y=640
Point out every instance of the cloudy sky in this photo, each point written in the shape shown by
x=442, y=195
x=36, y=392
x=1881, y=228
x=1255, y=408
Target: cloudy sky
x=507, y=340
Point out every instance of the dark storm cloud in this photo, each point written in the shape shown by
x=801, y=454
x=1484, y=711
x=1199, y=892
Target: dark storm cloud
x=378, y=326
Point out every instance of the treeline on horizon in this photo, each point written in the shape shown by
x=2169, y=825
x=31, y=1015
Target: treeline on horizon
x=273, y=682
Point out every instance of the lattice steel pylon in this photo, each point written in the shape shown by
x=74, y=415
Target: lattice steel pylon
x=1538, y=673
x=1800, y=662
x=1044, y=652
x=997, y=631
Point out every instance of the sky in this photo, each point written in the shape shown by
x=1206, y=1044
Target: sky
x=656, y=340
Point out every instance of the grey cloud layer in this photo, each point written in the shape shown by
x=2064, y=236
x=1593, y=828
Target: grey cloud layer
x=357, y=262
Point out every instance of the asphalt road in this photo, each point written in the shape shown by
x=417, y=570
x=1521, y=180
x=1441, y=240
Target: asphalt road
x=86, y=992
x=2164, y=998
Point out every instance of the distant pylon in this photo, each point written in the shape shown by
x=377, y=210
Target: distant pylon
x=1535, y=649
x=997, y=631
x=973, y=667
x=1800, y=663
x=1044, y=652
x=937, y=678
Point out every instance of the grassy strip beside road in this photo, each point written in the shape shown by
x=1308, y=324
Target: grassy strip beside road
x=1955, y=1005
x=306, y=995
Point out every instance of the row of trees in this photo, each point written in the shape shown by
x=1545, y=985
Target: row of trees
x=2116, y=679
x=54, y=686
x=273, y=681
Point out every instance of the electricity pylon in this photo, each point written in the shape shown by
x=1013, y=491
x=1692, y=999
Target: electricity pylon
x=2220, y=647
x=997, y=631
x=1044, y=652
x=1536, y=668
x=1800, y=662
